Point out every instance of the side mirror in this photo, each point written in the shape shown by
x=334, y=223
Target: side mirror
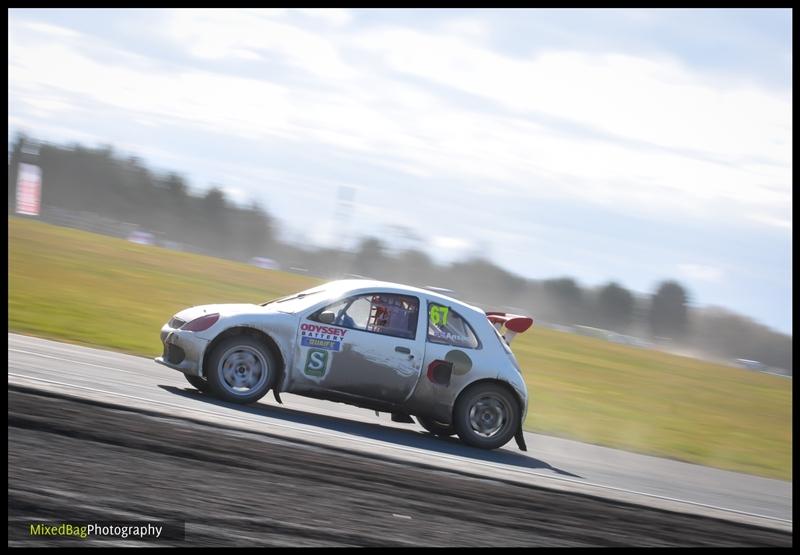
x=327, y=317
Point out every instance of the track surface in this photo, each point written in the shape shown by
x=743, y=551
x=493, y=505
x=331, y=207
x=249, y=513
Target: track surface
x=554, y=463
x=76, y=461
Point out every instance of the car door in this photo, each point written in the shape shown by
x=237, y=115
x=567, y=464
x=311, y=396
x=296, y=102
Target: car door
x=371, y=347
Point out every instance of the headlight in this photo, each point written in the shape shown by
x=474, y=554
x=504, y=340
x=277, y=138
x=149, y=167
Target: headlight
x=202, y=323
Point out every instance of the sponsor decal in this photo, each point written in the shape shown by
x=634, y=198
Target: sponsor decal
x=452, y=337
x=325, y=330
x=321, y=337
x=316, y=363
x=328, y=344
x=438, y=315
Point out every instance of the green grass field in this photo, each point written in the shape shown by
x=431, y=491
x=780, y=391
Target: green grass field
x=85, y=288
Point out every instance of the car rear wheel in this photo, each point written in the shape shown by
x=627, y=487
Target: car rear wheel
x=486, y=416
x=199, y=383
x=436, y=428
x=241, y=369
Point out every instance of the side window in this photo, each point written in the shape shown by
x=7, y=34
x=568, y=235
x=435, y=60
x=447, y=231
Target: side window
x=352, y=312
x=394, y=315
x=448, y=328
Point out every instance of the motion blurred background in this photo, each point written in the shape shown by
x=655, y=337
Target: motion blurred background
x=623, y=176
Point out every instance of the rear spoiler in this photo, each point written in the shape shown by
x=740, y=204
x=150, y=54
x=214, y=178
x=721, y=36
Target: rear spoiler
x=513, y=323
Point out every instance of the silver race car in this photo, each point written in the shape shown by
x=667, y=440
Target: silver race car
x=377, y=345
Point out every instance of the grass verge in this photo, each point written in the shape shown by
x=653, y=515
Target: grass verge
x=91, y=289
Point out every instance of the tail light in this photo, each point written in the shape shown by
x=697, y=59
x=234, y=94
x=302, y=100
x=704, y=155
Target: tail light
x=202, y=323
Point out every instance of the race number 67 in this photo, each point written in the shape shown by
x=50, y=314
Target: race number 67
x=439, y=315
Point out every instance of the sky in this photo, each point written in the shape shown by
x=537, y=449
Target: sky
x=626, y=145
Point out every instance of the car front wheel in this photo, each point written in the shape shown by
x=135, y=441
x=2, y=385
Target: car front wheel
x=486, y=416
x=241, y=370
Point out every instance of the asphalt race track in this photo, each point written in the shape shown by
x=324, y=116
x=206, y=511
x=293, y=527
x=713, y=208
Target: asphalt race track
x=95, y=434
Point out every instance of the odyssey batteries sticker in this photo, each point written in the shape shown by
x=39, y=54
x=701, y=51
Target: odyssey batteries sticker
x=321, y=337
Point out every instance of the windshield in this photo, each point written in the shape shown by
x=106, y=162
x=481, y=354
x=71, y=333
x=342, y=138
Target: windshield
x=296, y=301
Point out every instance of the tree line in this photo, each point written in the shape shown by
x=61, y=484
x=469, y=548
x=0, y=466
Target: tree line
x=97, y=180
x=123, y=188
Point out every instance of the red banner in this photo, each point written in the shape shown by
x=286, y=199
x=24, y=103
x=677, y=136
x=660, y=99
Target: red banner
x=29, y=189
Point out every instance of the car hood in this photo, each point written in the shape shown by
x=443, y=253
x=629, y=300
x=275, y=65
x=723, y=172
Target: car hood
x=224, y=310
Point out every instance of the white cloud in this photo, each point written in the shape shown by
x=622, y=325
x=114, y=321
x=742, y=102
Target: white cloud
x=55, y=31
x=261, y=12
x=242, y=106
x=700, y=272
x=664, y=140
x=450, y=243
x=467, y=27
x=44, y=106
x=779, y=222
x=220, y=34
x=652, y=100
x=332, y=16
x=236, y=195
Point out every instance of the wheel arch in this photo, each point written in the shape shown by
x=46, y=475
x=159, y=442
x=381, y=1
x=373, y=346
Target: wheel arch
x=253, y=332
x=507, y=386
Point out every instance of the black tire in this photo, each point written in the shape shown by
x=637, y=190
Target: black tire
x=229, y=381
x=495, y=418
x=436, y=428
x=199, y=383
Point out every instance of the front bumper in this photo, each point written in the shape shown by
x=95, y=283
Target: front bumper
x=183, y=351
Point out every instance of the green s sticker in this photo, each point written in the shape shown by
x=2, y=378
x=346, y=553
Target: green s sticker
x=316, y=362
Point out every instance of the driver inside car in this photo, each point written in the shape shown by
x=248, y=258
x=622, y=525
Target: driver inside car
x=344, y=319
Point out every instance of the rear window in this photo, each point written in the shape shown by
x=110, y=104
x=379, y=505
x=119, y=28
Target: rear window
x=447, y=327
